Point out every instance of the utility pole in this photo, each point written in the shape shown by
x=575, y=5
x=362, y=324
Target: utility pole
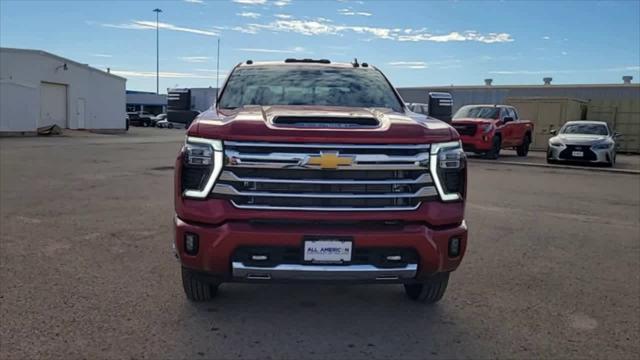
x=157, y=11
x=218, y=71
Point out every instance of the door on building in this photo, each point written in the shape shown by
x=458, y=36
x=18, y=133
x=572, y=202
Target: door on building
x=53, y=105
x=80, y=113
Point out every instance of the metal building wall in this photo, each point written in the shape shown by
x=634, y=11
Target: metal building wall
x=465, y=95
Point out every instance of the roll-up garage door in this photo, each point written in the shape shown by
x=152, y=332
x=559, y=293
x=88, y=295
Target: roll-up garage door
x=53, y=105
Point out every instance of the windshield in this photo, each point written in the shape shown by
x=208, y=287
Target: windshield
x=308, y=85
x=587, y=129
x=481, y=112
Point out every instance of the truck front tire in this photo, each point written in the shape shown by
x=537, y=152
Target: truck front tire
x=197, y=289
x=494, y=153
x=523, y=149
x=430, y=291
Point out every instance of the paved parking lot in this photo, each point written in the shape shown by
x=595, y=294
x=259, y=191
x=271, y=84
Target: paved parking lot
x=86, y=269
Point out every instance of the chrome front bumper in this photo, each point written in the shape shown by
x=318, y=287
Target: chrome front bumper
x=296, y=272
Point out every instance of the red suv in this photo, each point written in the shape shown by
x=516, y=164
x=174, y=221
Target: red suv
x=308, y=170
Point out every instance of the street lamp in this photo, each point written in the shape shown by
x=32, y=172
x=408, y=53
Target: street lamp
x=157, y=11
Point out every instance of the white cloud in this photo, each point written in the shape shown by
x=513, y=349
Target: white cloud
x=151, y=25
x=394, y=63
x=249, y=14
x=546, y=38
x=282, y=16
x=351, y=12
x=441, y=64
x=321, y=26
x=457, y=36
x=564, y=53
x=282, y=3
x=102, y=55
x=409, y=64
x=195, y=59
x=250, y=2
x=296, y=49
x=194, y=1
x=163, y=74
x=245, y=30
x=298, y=26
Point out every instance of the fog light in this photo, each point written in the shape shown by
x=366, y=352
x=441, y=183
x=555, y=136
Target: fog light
x=454, y=247
x=191, y=243
x=259, y=257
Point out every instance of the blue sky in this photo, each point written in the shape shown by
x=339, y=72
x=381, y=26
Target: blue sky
x=413, y=42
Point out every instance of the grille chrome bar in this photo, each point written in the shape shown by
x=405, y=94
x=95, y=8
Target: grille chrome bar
x=327, y=146
x=360, y=161
x=224, y=189
x=230, y=176
x=294, y=165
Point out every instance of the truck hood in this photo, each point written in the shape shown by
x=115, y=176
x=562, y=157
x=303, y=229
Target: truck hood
x=256, y=123
x=472, y=121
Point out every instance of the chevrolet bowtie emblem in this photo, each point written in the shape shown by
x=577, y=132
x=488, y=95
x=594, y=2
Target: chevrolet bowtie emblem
x=329, y=160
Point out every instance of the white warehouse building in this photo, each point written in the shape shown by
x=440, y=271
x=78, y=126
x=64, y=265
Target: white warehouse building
x=39, y=89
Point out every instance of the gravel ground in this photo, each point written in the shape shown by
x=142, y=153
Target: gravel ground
x=86, y=269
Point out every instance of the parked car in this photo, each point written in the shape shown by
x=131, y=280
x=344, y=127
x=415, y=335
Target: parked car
x=170, y=125
x=309, y=170
x=583, y=141
x=418, y=108
x=139, y=119
x=438, y=106
x=486, y=129
x=156, y=118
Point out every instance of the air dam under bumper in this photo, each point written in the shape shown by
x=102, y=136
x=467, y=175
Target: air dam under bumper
x=217, y=245
x=299, y=272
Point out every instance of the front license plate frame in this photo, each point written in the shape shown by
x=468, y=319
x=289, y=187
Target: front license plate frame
x=327, y=250
x=577, y=153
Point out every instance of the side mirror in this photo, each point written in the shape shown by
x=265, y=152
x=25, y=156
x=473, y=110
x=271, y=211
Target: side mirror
x=507, y=119
x=440, y=106
x=553, y=132
x=616, y=135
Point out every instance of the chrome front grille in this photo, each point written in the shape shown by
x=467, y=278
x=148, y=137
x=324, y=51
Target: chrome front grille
x=325, y=177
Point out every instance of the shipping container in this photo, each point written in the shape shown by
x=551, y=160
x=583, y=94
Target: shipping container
x=547, y=113
x=623, y=116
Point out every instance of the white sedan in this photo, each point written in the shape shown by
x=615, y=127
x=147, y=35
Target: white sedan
x=583, y=141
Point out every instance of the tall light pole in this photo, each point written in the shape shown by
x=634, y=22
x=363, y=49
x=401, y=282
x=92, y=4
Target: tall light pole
x=218, y=70
x=157, y=11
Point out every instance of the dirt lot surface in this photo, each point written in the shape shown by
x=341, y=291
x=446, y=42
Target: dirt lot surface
x=87, y=271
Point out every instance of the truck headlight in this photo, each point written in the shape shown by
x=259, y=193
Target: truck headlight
x=486, y=128
x=449, y=170
x=201, y=164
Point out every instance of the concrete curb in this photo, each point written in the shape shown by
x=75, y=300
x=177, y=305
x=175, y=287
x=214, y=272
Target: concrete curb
x=609, y=170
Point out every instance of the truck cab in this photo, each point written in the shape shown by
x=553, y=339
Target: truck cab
x=308, y=170
x=486, y=129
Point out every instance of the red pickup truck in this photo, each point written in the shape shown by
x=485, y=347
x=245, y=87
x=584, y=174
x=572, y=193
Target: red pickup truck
x=486, y=129
x=308, y=170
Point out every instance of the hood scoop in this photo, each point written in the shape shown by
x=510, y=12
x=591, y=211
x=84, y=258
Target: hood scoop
x=336, y=122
